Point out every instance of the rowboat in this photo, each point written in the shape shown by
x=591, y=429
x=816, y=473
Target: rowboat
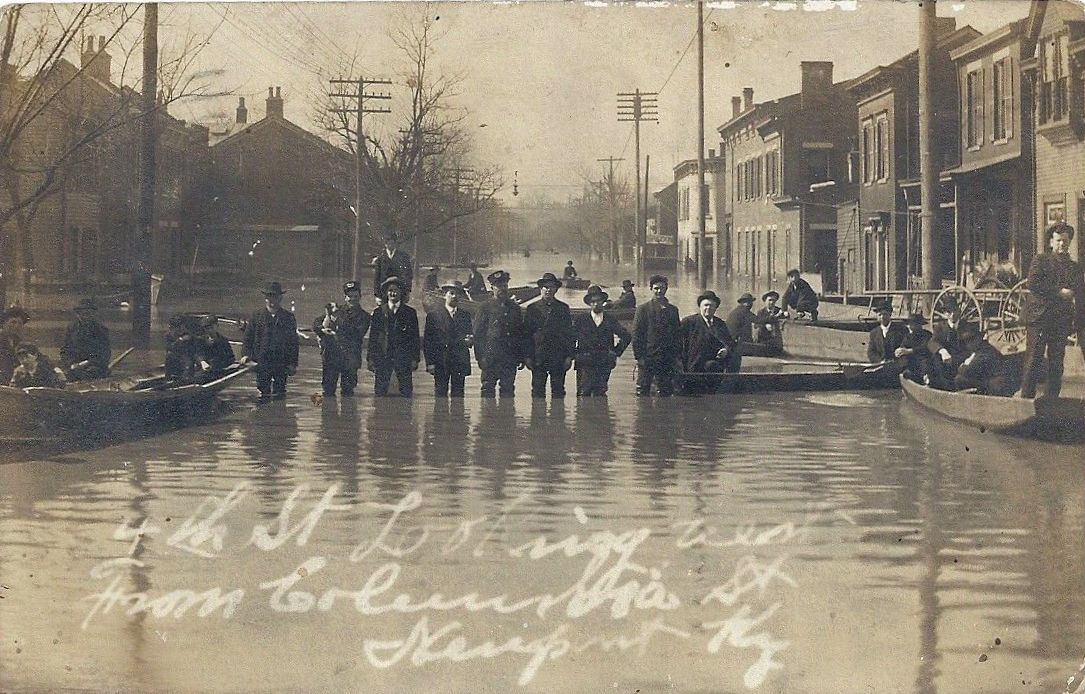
x=105, y=406
x=1043, y=418
x=576, y=283
x=856, y=376
x=826, y=339
x=625, y=313
x=433, y=299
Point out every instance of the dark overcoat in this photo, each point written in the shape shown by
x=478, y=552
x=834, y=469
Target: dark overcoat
x=595, y=346
x=881, y=348
x=550, y=337
x=701, y=343
x=499, y=334
x=393, y=338
x=443, y=340
x=271, y=339
x=1048, y=273
x=399, y=265
x=86, y=341
x=656, y=331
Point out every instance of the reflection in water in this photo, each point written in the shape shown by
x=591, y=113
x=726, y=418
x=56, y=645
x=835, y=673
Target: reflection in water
x=496, y=441
x=392, y=432
x=444, y=448
x=270, y=441
x=338, y=445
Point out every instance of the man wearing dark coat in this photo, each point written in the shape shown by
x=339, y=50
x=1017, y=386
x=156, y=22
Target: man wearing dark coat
x=446, y=343
x=341, y=330
x=627, y=299
x=213, y=351
x=800, y=296
x=431, y=282
x=551, y=343
x=393, y=262
x=984, y=368
x=884, y=338
x=707, y=344
x=656, y=337
x=914, y=353
x=946, y=347
x=34, y=370
x=12, y=322
x=499, y=338
x=740, y=323
x=271, y=340
x=394, y=342
x=596, y=352
x=768, y=320
x=475, y=285
x=85, y=352
x=1056, y=302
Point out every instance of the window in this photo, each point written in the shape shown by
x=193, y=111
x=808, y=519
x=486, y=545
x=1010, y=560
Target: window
x=882, y=135
x=737, y=181
x=758, y=179
x=1054, y=82
x=706, y=202
x=818, y=165
x=1003, y=100
x=772, y=173
x=868, y=150
x=1054, y=212
x=973, y=126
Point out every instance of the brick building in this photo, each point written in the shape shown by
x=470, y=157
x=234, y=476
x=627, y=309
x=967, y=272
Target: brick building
x=787, y=171
x=688, y=224
x=661, y=252
x=282, y=199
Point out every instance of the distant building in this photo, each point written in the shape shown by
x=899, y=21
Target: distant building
x=1056, y=70
x=283, y=196
x=661, y=252
x=787, y=172
x=688, y=224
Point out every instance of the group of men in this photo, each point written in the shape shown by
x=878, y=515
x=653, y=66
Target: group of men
x=196, y=352
x=84, y=354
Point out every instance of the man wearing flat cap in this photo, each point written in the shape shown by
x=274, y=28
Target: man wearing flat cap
x=499, y=338
x=271, y=340
x=395, y=345
x=596, y=351
x=707, y=344
x=85, y=351
x=551, y=343
x=656, y=336
x=740, y=323
x=393, y=262
x=341, y=330
x=885, y=337
x=446, y=343
x=768, y=320
x=12, y=323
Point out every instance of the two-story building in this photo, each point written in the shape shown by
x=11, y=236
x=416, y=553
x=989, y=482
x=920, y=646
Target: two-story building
x=1056, y=71
x=689, y=229
x=661, y=253
x=879, y=242
x=787, y=163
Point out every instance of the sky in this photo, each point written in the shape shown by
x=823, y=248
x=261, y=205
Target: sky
x=539, y=79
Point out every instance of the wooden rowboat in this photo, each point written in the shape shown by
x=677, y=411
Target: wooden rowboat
x=435, y=298
x=851, y=377
x=576, y=283
x=624, y=314
x=1044, y=417
x=106, y=406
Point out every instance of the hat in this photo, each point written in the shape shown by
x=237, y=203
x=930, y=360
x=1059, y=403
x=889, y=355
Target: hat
x=26, y=348
x=569, y=263
x=499, y=277
x=917, y=318
x=745, y=297
x=595, y=293
x=883, y=307
x=654, y=279
x=351, y=287
x=710, y=295
x=456, y=286
x=626, y=284
x=273, y=289
x=773, y=293
x=16, y=312
x=389, y=282
x=548, y=278
x=88, y=304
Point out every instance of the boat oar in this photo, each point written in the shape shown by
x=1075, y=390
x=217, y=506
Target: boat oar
x=120, y=358
x=837, y=364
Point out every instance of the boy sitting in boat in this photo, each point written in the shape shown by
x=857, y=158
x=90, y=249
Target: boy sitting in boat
x=35, y=370
x=180, y=361
x=985, y=370
x=86, y=350
x=213, y=351
x=914, y=355
x=768, y=320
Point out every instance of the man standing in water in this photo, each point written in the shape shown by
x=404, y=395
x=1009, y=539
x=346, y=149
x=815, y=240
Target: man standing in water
x=499, y=339
x=656, y=340
x=271, y=340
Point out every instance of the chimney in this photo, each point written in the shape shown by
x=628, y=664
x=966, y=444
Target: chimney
x=96, y=63
x=747, y=98
x=817, y=79
x=736, y=106
x=274, y=102
x=242, y=112
x=944, y=25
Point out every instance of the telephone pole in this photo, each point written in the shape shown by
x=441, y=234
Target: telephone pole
x=615, y=253
x=457, y=188
x=702, y=256
x=930, y=189
x=636, y=107
x=141, y=270
x=360, y=96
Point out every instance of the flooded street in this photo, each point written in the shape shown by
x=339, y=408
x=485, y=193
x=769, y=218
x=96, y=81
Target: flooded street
x=831, y=542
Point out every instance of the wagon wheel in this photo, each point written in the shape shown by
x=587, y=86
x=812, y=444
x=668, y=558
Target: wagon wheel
x=961, y=297
x=1011, y=335
x=991, y=283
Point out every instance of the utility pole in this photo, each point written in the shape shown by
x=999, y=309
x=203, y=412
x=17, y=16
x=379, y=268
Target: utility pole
x=702, y=256
x=610, y=207
x=457, y=188
x=930, y=193
x=359, y=96
x=144, y=237
x=636, y=107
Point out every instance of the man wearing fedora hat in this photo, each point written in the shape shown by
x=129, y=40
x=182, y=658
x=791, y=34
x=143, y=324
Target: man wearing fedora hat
x=656, y=335
x=499, y=338
x=394, y=342
x=596, y=352
x=707, y=344
x=341, y=330
x=551, y=343
x=431, y=282
x=446, y=343
x=475, y=284
x=885, y=337
x=271, y=340
x=12, y=322
x=85, y=351
x=740, y=323
x=627, y=299
x=914, y=355
x=393, y=262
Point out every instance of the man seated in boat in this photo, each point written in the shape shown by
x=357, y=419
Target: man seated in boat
x=475, y=284
x=768, y=319
x=885, y=337
x=740, y=323
x=914, y=355
x=85, y=352
x=570, y=271
x=984, y=369
x=431, y=282
x=35, y=370
x=706, y=344
x=800, y=296
x=946, y=346
x=13, y=321
x=180, y=361
x=627, y=299
x=213, y=351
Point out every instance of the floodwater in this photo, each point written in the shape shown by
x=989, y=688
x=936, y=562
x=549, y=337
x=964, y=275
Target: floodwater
x=779, y=543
